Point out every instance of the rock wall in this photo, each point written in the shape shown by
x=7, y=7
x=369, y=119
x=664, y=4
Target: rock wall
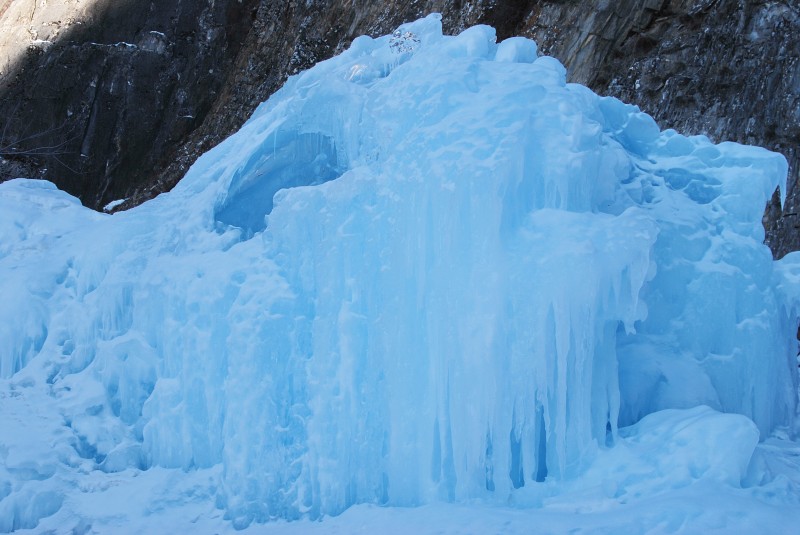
x=116, y=99
x=103, y=90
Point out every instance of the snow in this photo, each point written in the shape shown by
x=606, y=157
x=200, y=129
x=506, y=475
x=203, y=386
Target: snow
x=428, y=286
x=113, y=204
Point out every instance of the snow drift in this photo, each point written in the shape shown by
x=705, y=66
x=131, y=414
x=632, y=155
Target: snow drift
x=425, y=270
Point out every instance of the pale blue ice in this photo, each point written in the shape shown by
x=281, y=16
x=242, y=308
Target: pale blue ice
x=427, y=270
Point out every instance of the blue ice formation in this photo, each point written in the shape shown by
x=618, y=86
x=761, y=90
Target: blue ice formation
x=426, y=269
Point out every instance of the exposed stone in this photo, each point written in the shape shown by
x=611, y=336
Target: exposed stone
x=112, y=93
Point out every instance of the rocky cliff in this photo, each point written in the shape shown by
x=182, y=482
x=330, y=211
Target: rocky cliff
x=115, y=99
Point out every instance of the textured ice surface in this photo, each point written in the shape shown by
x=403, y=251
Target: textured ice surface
x=427, y=270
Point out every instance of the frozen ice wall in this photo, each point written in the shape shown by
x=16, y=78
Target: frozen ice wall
x=427, y=269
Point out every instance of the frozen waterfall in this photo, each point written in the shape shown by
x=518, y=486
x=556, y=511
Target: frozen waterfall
x=426, y=270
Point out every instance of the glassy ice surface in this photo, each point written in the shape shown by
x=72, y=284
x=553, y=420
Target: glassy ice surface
x=427, y=272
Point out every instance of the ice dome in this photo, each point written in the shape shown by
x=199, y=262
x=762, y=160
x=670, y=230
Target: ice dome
x=425, y=271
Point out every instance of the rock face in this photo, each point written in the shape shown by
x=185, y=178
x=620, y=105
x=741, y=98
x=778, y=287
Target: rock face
x=115, y=99
x=104, y=90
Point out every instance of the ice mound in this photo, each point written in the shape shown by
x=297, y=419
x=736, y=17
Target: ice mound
x=425, y=270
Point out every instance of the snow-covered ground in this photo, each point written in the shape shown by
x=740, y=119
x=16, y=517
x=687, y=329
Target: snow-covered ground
x=428, y=287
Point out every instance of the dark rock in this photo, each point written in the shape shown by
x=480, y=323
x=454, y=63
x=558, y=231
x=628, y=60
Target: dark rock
x=103, y=105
